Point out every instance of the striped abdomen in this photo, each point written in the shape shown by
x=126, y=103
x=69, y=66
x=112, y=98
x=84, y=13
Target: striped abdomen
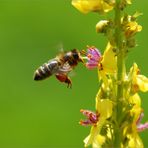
x=46, y=70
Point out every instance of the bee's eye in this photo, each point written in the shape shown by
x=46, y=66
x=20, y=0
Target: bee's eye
x=75, y=55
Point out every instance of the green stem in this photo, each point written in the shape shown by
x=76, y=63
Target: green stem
x=120, y=73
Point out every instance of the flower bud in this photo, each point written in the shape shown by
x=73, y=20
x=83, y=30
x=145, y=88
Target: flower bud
x=131, y=43
x=124, y=3
x=101, y=26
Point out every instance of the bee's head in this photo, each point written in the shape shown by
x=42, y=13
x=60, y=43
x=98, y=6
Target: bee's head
x=76, y=55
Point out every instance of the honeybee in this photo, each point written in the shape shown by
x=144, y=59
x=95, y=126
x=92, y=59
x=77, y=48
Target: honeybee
x=59, y=66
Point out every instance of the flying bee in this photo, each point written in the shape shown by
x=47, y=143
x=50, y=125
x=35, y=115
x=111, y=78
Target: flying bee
x=59, y=66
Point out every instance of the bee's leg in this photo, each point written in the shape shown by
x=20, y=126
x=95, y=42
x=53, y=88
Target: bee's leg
x=69, y=82
x=64, y=78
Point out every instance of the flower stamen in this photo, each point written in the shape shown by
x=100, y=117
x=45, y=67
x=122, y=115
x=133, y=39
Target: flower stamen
x=92, y=118
x=94, y=57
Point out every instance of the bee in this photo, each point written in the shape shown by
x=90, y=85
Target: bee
x=59, y=66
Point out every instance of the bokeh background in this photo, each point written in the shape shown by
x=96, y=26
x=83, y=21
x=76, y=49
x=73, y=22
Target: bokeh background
x=46, y=114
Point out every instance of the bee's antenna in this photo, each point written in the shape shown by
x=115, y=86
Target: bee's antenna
x=83, y=52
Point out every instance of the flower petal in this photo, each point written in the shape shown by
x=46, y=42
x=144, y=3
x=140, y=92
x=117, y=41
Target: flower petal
x=104, y=107
x=142, y=82
x=134, y=141
x=142, y=127
x=99, y=141
x=86, y=6
x=89, y=139
x=136, y=100
x=139, y=82
x=109, y=61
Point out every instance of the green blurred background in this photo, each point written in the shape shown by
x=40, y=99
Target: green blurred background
x=46, y=114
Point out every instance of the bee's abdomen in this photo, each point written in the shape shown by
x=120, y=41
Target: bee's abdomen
x=46, y=70
x=43, y=72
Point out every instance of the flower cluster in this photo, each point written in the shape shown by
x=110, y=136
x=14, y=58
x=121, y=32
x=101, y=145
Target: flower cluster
x=116, y=121
x=132, y=111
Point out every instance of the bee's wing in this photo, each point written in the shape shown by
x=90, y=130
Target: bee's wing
x=60, y=47
x=61, y=52
x=56, y=48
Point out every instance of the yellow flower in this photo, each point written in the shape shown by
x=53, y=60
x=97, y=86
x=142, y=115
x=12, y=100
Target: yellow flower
x=142, y=82
x=136, y=109
x=139, y=82
x=108, y=65
x=104, y=108
x=86, y=6
x=109, y=61
x=134, y=141
x=131, y=134
x=132, y=28
x=102, y=76
x=99, y=141
x=135, y=99
x=130, y=131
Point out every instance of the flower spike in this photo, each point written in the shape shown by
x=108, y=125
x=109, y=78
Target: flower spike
x=117, y=120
